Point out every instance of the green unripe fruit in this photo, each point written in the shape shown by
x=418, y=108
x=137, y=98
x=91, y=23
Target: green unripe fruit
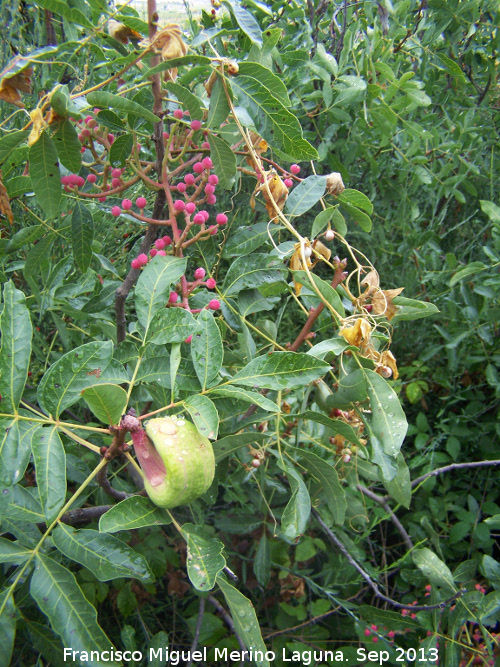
x=178, y=462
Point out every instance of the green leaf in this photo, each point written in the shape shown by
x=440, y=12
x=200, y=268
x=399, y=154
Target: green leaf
x=18, y=186
x=305, y=195
x=265, y=77
x=389, y=619
x=399, y=487
x=15, y=448
x=105, y=100
x=171, y=325
x=281, y=370
x=219, y=108
x=121, y=150
x=411, y=309
x=244, y=619
x=434, y=569
x=388, y=421
x=296, y=513
x=488, y=608
x=47, y=643
x=321, y=220
x=23, y=505
x=68, y=146
x=204, y=557
x=246, y=21
x=151, y=292
x=351, y=389
x=72, y=616
x=105, y=556
x=15, y=347
x=24, y=236
x=363, y=220
x=207, y=352
x=253, y=271
x=38, y=256
x=45, y=176
x=50, y=465
x=188, y=100
x=111, y=120
x=262, y=562
x=452, y=67
x=10, y=142
x=82, y=235
x=87, y=365
x=132, y=22
x=386, y=463
x=190, y=59
x=247, y=239
x=70, y=14
x=278, y=126
x=329, y=480
x=336, y=425
x=231, y=443
x=326, y=290
x=107, y=402
x=251, y=301
x=7, y=627
x=419, y=97
x=224, y=161
x=157, y=371
x=491, y=210
x=134, y=512
x=204, y=415
x=470, y=270
x=357, y=199
x=238, y=394
x=12, y=552
x=336, y=345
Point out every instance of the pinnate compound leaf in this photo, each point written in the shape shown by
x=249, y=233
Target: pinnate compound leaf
x=105, y=556
x=305, y=195
x=224, y=160
x=107, y=402
x=151, y=292
x=15, y=347
x=238, y=394
x=387, y=420
x=55, y=590
x=82, y=235
x=45, y=175
x=205, y=557
x=172, y=325
x=433, y=567
x=134, y=512
x=296, y=513
x=244, y=619
x=206, y=349
x=281, y=370
x=50, y=465
x=106, y=100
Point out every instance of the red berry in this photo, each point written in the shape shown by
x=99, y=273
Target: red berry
x=102, y=198
x=295, y=169
x=213, y=230
x=205, y=145
x=288, y=182
x=65, y=180
x=116, y=211
x=205, y=214
x=181, y=187
x=153, y=252
x=207, y=163
x=116, y=173
x=166, y=136
x=82, y=149
x=135, y=264
x=198, y=167
x=167, y=240
x=213, y=179
x=209, y=189
x=115, y=182
x=221, y=219
x=196, y=125
x=111, y=138
x=211, y=283
x=178, y=113
x=173, y=297
x=179, y=205
x=126, y=204
x=141, y=202
x=190, y=207
x=199, y=219
x=190, y=178
x=189, y=339
x=214, y=304
x=85, y=132
x=91, y=178
x=142, y=258
x=162, y=253
x=92, y=123
x=211, y=199
x=87, y=119
x=199, y=274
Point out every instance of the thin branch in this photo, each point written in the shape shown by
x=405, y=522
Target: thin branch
x=85, y=514
x=455, y=466
x=201, y=611
x=228, y=620
x=103, y=481
x=340, y=546
x=383, y=503
x=311, y=621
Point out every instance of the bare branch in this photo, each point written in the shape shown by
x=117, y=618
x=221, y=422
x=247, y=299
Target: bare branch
x=455, y=466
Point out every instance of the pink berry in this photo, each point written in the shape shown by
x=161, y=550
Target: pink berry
x=91, y=178
x=214, y=304
x=189, y=339
x=173, y=297
x=116, y=211
x=391, y=634
x=135, y=264
x=196, y=125
x=80, y=181
x=181, y=187
x=92, y=123
x=153, y=252
x=82, y=149
x=178, y=113
x=199, y=274
x=198, y=167
x=102, y=198
x=116, y=173
x=85, y=132
x=367, y=632
x=142, y=258
x=205, y=214
x=141, y=202
x=126, y=204
x=159, y=244
x=87, y=119
x=96, y=110
x=111, y=138
x=179, y=205
x=190, y=178
x=167, y=240
x=115, y=182
x=82, y=138
x=221, y=219
x=295, y=169
x=211, y=283
x=190, y=207
x=199, y=219
x=213, y=179
x=288, y=182
x=207, y=163
x=65, y=180
x=162, y=253
x=211, y=199
x=205, y=145
x=209, y=189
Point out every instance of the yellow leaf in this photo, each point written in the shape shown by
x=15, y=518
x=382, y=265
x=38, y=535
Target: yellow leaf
x=39, y=125
x=359, y=334
x=4, y=202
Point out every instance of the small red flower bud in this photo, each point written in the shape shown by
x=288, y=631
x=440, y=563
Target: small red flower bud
x=115, y=182
x=116, y=173
x=190, y=207
x=198, y=167
x=141, y=202
x=207, y=163
x=209, y=189
x=159, y=244
x=178, y=113
x=221, y=219
x=179, y=205
x=199, y=274
x=173, y=298
x=142, y=258
x=167, y=240
x=288, y=182
x=211, y=283
x=116, y=211
x=205, y=145
x=211, y=199
x=295, y=169
x=111, y=138
x=214, y=304
x=181, y=187
x=91, y=178
x=135, y=264
x=213, y=179
x=162, y=253
x=196, y=125
x=153, y=252
x=126, y=204
x=190, y=178
x=92, y=123
x=199, y=219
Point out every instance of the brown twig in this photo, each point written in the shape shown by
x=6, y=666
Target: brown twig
x=84, y=514
x=201, y=611
x=383, y=503
x=455, y=466
x=227, y=618
x=103, y=481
